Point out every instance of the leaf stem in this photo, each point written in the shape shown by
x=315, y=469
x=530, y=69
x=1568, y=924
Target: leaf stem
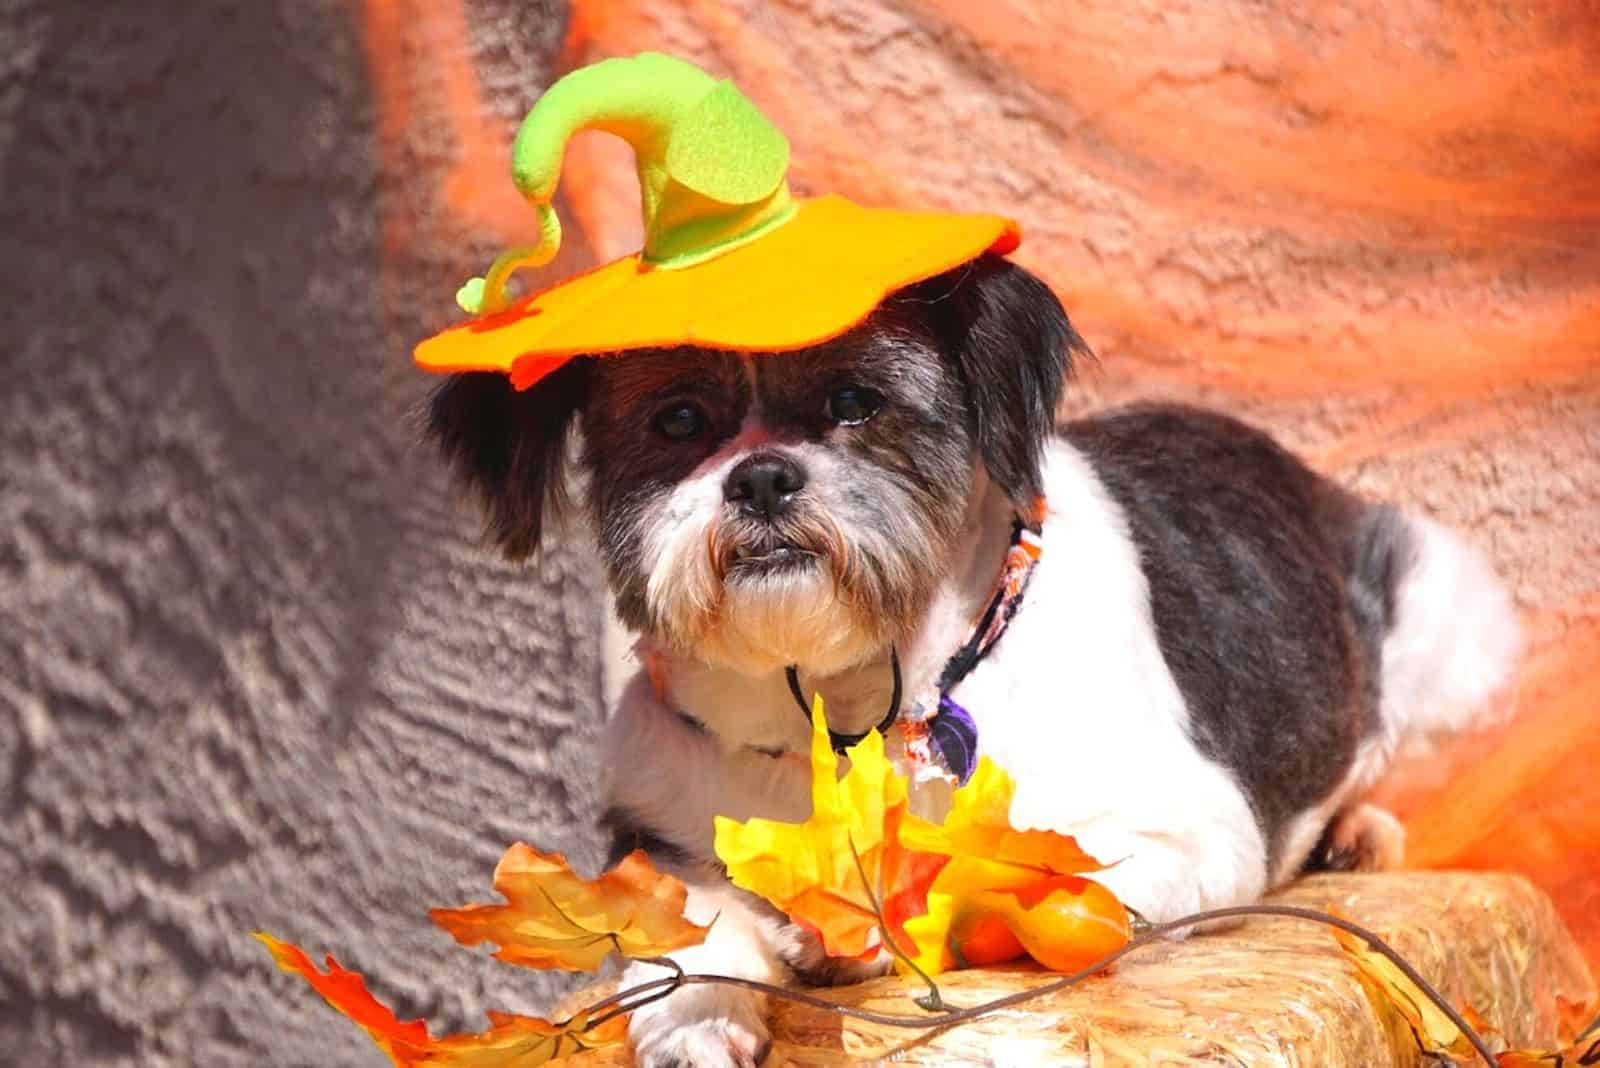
x=933, y=1000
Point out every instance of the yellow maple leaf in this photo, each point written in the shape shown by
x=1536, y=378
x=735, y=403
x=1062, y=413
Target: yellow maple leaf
x=833, y=872
x=1391, y=991
x=554, y=918
x=511, y=1041
x=986, y=852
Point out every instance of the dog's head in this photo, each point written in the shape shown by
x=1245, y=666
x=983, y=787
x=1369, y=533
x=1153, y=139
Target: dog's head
x=759, y=511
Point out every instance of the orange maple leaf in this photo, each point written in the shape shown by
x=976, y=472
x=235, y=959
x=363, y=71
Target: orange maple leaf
x=511, y=1041
x=844, y=872
x=986, y=852
x=554, y=918
x=347, y=991
x=519, y=1042
x=1584, y=1051
x=1001, y=882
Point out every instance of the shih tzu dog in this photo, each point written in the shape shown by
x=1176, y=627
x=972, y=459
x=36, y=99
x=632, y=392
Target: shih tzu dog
x=1211, y=653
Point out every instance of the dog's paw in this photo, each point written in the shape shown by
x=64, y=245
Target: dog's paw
x=701, y=1027
x=1363, y=837
x=801, y=949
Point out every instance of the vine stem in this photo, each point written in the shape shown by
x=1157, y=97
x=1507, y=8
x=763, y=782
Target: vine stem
x=643, y=994
x=933, y=1000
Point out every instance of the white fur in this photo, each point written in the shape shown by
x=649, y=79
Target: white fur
x=1077, y=703
x=712, y=1024
x=1079, y=706
x=1454, y=643
x=751, y=628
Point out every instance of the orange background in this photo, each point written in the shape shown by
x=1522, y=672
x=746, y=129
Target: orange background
x=1374, y=228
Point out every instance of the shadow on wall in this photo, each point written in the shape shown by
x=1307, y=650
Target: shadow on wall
x=255, y=670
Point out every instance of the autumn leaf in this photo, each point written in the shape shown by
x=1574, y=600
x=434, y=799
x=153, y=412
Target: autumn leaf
x=1004, y=888
x=1389, y=989
x=1063, y=922
x=347, y=992
x=554, y=918
x=833, y=872
x=511, y=1041
x=519, y=1042
x=986, y=852
x=1582, y=1054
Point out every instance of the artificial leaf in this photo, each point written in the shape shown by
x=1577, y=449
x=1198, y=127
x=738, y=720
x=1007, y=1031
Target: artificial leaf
x=1390, y=990
x=1028, y=882
x=986, y=852
x=1576, y=1019
x=960, y=932
x=1583, y=1053
x=1063, y=922
x=814, y=870
x=518, y=1042
x=554, y=918
x=511, y=1041
x=347, y=991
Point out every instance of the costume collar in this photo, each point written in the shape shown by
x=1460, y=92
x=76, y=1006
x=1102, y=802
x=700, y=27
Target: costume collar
x=940, y=733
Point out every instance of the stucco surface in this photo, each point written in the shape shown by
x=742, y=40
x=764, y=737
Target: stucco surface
x=255, y=669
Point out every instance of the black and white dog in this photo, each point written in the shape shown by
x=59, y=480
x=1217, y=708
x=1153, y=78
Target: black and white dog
x=1217, y=653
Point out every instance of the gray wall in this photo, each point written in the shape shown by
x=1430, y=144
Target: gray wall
x=256, y=670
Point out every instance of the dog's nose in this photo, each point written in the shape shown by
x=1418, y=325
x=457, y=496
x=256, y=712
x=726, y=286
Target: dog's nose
x=763, y=485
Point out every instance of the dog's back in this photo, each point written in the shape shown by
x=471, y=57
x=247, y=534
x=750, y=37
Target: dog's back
x=1311, y=633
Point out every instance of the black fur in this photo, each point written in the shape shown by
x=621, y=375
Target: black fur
x=1013, y=348
x=1005, y=334
x=510, y=446
x=628, y=832
x=1271, y=589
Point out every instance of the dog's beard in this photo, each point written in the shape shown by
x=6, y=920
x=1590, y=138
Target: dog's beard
x=754, y=597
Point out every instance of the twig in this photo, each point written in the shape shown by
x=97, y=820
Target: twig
x=660, y=988
x=933, y=1000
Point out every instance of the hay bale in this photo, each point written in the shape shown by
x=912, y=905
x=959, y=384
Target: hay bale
x=1270, y=992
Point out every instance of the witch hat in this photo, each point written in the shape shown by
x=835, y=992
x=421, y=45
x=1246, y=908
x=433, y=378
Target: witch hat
x=730, y=259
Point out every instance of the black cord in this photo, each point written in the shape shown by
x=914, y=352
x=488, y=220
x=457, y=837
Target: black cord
x=841, y=742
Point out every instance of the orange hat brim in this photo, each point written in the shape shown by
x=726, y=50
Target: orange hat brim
x=809, y=280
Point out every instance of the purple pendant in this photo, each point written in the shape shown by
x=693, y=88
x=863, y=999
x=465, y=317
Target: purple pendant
x=955, y=738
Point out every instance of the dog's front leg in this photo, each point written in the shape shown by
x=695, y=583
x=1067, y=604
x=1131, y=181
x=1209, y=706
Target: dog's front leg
x=709, y=1025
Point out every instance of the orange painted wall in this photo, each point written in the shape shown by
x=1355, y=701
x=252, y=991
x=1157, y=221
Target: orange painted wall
x=1373, y=226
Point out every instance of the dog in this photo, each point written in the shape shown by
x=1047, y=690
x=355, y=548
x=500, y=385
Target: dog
x=1216, y=654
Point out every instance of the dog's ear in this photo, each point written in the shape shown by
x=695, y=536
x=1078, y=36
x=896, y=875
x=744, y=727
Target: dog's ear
x=510, y=446
x=1013, y=348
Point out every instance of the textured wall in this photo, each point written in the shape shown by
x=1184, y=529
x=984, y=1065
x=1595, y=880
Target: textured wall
x=254, y=669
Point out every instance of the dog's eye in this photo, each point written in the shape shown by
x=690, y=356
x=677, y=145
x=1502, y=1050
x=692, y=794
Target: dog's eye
x=680, y=421
x=853, y=405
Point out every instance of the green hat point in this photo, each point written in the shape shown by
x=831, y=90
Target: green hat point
x=711, y=167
